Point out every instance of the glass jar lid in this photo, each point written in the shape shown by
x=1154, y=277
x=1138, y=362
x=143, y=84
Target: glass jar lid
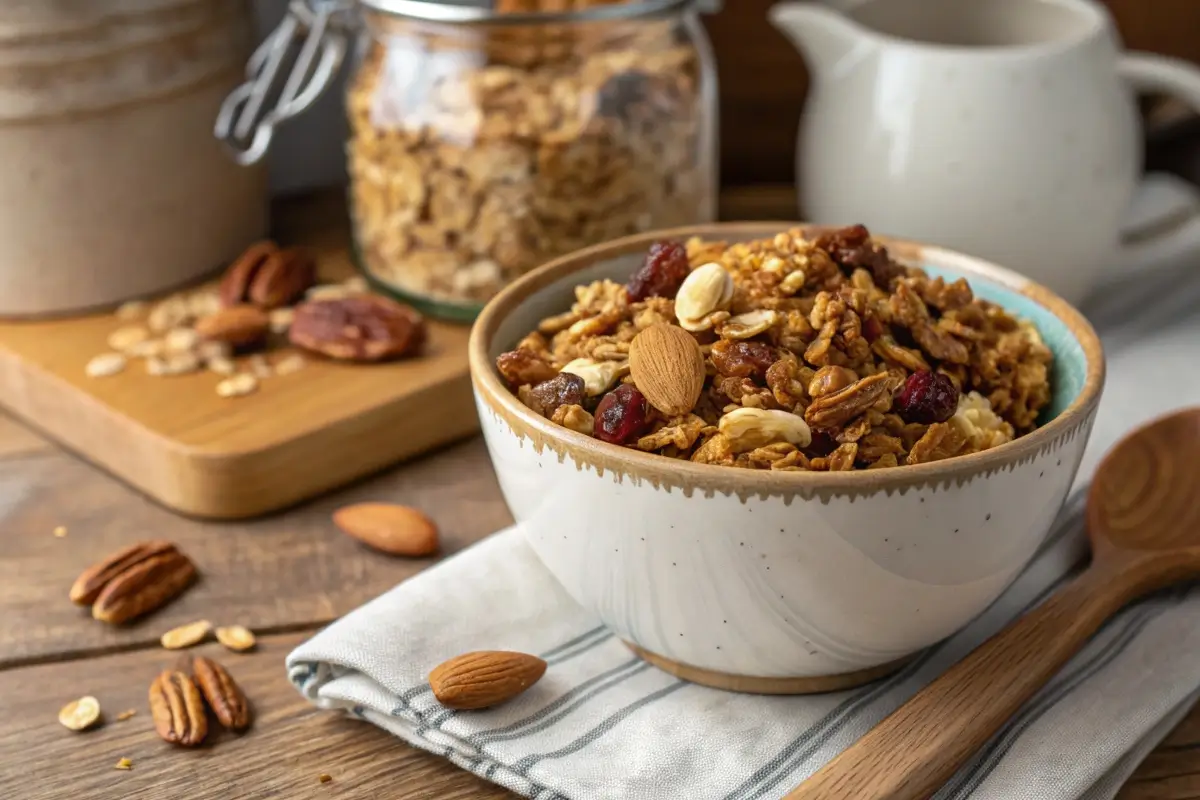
x=483, y=11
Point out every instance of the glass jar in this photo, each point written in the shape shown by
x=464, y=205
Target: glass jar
x=483, y=143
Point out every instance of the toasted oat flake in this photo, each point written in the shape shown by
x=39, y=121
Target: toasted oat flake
x=327, y=291
x=132, y=310
x=241, y=384
x=181, y=340
x=236, y=638
x=124, y=715
x=260, y=367
x=213, y=350
x=122, y=339
x=356, y=284
x=186, y=635
x=147, y=349
x=105, y=364
x=81, y=714
x=222, y=365
x=124, y=763
x=324, y=777
x=176, y=364
x=293, y=363
x=281, y=319
x=60, y=531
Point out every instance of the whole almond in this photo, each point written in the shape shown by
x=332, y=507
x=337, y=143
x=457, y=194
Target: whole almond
x=186, y=635
x=668, y=368
x=484, y=678
x=237, y=326
x=399, y=530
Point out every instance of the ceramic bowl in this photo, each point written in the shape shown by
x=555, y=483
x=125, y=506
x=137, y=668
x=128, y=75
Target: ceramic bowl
x=781, y=582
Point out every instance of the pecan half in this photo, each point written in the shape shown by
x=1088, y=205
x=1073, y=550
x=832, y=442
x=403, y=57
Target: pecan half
x=144, y=587
x=838, y=408
x=235, y=284
x=91, y=582
x=283, y=278
x=358, y=328
x=177, y=709
x=224, y=696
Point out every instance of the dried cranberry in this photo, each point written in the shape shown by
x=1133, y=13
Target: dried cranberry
x=852, y=248
x=622, y=416
x=661, y=274
x=743, y=359
x=563, y=389
x=927, y=397
x=822, y=444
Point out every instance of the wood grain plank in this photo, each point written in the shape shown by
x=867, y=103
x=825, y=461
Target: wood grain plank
x=288, y=746
x=19, y=441
x=292, y=569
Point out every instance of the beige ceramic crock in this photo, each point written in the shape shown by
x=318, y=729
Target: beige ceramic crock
x=111, y=183
x=780, y=582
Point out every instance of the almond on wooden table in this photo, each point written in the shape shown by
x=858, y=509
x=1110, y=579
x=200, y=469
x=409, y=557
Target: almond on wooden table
x=394, y=529
x=224, y=696
x=178, y=712
x=668, y=368
x=484, y=678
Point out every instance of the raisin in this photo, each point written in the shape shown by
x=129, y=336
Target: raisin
x=622, y=416
x=661, y=274
x=852, y=247
x=522, y=367
x=564, y=389
x=927, y=397
x=743, y=359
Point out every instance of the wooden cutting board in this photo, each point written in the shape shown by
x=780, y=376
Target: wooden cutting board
x=203, y=455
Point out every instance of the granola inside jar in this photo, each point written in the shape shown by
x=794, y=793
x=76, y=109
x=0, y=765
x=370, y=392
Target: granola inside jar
x=482, y=147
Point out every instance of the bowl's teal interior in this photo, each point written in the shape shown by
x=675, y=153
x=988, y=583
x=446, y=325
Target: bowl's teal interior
x=1070, y=364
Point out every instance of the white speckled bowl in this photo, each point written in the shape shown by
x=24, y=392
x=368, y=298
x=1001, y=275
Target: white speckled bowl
x=780, y=582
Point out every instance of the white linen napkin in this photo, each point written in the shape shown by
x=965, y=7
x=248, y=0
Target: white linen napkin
x=603, y=724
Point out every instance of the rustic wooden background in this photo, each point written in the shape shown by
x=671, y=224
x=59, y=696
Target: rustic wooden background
x=763, y=78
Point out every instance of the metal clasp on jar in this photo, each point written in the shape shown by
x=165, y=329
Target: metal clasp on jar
x=303, y=54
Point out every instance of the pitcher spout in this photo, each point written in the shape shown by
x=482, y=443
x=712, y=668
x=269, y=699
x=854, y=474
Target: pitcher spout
x=822, y=35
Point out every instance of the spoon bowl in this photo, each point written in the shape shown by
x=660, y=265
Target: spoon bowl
x=1143, y=515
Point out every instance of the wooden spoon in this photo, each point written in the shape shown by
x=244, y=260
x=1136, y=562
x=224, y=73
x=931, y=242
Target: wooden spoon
x=1143, y=515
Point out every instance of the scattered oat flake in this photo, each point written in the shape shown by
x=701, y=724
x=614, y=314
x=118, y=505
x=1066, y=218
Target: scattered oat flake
x=60, y=531
x=222, y=365
x=238, y=385
x=181, y=340
x=124, y=763
x=293, y=363
x=260, y=367
x=357, y=284
x=236, y=637
x=104, y=365
x=129, y=336
x=281, y=319
x=124, y=715
x=132, y=309
x=324, y=777
x=80, y=714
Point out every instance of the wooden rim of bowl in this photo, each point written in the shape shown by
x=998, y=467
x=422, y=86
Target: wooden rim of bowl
x=687, y=476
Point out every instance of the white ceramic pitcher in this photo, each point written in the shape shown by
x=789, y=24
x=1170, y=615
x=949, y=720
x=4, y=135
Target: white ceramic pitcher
x=1007, y=129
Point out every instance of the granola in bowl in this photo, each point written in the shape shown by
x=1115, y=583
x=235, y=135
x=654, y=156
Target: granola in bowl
x=813, y=350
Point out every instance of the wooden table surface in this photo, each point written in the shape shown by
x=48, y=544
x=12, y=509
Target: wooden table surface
x=284, y=576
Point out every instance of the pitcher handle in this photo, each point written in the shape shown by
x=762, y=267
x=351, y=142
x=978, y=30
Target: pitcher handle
x=1169, y=231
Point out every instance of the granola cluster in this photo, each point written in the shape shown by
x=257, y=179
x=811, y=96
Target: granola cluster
x=821, y=352
x=473, y=160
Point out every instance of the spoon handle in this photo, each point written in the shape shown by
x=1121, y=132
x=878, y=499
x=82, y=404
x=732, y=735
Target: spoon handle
x=915, y=750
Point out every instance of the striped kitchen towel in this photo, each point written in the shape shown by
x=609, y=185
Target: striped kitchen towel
x=603, y=724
